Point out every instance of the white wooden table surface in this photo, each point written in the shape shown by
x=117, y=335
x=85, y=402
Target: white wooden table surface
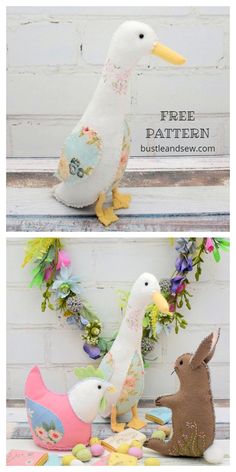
x=169, y=195
x=18, y=434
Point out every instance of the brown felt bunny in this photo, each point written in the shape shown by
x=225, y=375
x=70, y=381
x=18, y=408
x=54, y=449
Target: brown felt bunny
x=193, y=417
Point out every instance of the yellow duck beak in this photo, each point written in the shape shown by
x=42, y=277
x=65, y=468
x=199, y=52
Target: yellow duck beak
x=160, y=302
x=111, y=389
x=167, y=54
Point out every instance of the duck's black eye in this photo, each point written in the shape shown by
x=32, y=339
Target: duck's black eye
x=181, y=362
x=141, y=35
x=146, y=283
x=99, y=387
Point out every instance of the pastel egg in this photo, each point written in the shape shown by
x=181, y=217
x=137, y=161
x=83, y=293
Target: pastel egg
x=66, y=460
x=123, y=448
x=94, y=440
x=158, y=434
x=96, y=450
x=77, y=447
x=84, y=455
x=152, y=461
x=167, y=430
x=136, y=452
x=136, y=443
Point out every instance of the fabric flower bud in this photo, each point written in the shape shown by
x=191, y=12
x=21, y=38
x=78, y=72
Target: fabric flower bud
x=74, y=304
x=63, y=259
x=209, y=245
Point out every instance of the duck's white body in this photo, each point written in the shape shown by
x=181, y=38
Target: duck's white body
x=125, y=360
x=95, y=154
x=106, y=116
x=123, y=364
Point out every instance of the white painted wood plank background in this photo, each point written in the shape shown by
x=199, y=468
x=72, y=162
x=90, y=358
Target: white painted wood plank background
x=51, y=81
x=106, y=265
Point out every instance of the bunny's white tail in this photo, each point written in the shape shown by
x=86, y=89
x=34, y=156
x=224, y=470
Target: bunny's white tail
x=214, y=454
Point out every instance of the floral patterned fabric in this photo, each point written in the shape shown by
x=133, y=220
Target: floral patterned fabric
x=132, y=387
x=134, y=382
x=46, y=426
x=116, y=77
x=124, y=155
x=80, y=155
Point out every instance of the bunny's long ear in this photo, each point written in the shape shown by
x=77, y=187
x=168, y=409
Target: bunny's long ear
x=205, y=350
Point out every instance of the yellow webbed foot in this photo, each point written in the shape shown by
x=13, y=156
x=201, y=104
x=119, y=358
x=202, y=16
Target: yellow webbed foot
x=116, y=427
x=109, y=216
x=120, y=200
x=105, y=215
x=136, y=423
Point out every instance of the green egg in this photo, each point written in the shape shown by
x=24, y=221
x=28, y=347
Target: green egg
x=77, y=448
x=158, y=434
x=84, y=455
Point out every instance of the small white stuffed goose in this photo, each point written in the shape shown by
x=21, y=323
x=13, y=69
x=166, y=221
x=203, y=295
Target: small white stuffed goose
x=95, y=154
x=123, y=364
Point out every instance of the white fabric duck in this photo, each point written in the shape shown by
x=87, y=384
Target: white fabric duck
x=123, y=364
x=95, y=154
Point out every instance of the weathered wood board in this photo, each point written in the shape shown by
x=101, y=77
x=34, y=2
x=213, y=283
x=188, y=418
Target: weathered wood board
x=19, y=436
x=152, y=209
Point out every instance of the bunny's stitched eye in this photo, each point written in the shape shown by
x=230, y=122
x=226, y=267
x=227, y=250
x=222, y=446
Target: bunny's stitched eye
x=181, y=362
x=99, y=387
x=141, y=36
x=146, y=283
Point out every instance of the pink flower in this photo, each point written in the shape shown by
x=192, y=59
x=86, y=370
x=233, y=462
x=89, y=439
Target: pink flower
x=63, y=259
x=209, y=245
x=172, y=307
x=48, y=273
x=180, y=288
x=41, y=433
x=54, y=435
x=130, y=382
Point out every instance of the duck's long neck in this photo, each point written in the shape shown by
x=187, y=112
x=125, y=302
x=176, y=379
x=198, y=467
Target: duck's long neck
x=112, y=90
x=132, y=325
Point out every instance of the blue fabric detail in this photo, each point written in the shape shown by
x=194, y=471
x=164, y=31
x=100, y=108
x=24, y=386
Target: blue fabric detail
x=45, y=419
x=82, y=149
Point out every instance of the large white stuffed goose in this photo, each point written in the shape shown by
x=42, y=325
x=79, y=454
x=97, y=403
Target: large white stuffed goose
x=95, y=154
x=123, y=364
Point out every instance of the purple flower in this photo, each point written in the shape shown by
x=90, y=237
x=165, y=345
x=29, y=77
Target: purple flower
x=83, y=320
x=176, y=282
x=93, y=351
x=183, y=263
x=184, y=245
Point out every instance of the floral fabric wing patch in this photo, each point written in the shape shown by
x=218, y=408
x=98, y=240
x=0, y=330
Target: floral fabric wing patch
x=125, y=150
x=80, y=155
x=45, y=424
x=133, y=386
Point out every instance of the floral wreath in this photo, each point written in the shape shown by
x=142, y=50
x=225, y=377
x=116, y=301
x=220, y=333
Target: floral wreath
x=53, y=274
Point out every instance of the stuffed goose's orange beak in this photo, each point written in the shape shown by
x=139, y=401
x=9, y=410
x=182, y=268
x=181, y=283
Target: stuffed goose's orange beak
x=160, y=302
x=168, y=54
